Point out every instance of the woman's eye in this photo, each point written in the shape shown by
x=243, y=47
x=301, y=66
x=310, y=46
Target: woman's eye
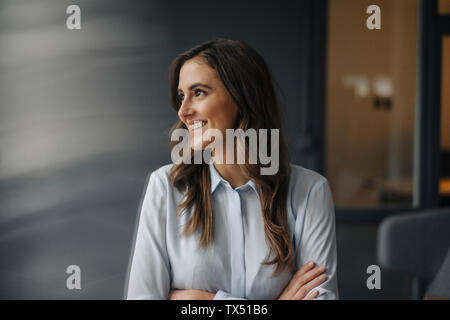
x=181, y=97
x=199, y=92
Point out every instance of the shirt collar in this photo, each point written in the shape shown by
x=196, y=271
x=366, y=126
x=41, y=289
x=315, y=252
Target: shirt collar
x=216, y=179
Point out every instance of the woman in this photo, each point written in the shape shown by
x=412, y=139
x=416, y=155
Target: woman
x=223, y=230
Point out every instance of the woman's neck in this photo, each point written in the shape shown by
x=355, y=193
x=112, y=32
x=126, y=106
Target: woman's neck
x=231, y=173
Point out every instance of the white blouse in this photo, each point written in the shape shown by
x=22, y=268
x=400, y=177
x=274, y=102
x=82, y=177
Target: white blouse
x=230, y=267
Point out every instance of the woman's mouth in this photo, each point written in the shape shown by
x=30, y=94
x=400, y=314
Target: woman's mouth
x=197, y=125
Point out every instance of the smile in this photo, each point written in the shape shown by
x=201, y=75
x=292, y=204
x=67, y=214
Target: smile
x=197, y=125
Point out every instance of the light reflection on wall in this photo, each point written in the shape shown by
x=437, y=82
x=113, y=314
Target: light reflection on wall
x=84, y=117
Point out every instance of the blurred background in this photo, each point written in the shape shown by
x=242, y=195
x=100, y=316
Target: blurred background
x=85, y=117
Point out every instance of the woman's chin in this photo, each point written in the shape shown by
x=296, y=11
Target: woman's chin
x=197, y=148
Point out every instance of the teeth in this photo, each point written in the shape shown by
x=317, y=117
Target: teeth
x=196, y=125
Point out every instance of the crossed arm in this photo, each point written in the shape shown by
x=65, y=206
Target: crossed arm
x=304, y=280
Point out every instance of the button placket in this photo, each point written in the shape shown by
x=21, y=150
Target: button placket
x=237, y=244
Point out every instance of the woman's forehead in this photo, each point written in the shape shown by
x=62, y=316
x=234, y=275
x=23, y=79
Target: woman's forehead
x=196, y=70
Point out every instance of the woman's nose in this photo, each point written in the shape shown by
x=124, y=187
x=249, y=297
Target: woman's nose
x=185, y=110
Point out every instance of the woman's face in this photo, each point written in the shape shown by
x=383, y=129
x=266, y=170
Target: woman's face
x=204, y=98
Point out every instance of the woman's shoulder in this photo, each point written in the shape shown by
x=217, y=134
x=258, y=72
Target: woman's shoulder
x=304, y=182
x=163, y=171
x=158, y=183
x=306, y=185
x=160, y=175
x=304, y=176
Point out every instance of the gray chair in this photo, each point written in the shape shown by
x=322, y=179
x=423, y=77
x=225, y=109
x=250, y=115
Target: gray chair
x=440, y=287
x=415, y=245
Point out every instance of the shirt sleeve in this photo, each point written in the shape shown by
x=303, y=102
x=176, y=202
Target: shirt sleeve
x=223, y=295
x=149, y=272
x=318, y=239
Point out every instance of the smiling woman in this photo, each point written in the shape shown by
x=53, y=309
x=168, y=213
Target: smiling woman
x=244, y=235
x=204, y=98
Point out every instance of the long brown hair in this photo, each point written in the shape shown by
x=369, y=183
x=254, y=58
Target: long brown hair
x=249, y=82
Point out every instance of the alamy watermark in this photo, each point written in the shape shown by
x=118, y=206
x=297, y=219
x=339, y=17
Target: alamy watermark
x=74, y=280
x=374, y=20
x=374, y=280
x=73, y=22
x=214, y=151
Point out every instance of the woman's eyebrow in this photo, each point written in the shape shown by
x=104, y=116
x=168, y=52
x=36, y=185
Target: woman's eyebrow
x=195, y=85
